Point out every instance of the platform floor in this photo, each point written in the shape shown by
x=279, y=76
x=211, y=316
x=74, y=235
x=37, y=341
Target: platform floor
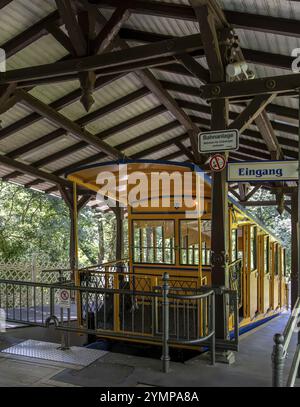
x=252, y=366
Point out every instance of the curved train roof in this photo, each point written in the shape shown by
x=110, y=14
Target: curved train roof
x=73, y=175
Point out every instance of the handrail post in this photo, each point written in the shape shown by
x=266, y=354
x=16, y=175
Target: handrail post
x=278, y=358
x=165, y=324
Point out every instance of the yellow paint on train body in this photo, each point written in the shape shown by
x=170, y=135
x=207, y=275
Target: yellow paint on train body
x=167, y=239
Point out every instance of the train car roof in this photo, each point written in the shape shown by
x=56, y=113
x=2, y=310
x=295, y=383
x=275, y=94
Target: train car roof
x=192, y=167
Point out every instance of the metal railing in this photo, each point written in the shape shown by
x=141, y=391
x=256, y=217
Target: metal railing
x=281, y=345
x=166, y=316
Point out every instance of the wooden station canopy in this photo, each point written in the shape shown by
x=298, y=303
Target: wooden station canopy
x=95, y=81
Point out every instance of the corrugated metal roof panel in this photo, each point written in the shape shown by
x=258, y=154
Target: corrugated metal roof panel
x=15, y=113
x=19, y=15
x=140, y=129
x=118, y=116
x=26, y=135
x=43, y=51
x=50, y=93
x=275, y=8
x=104, y=96
x=154, y=141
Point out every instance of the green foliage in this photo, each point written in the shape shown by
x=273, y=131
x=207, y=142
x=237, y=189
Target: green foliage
x=34, y=223
x=279, y=225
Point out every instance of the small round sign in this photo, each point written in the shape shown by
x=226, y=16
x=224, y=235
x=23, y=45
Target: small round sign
x=217, y=162
x=64, y=295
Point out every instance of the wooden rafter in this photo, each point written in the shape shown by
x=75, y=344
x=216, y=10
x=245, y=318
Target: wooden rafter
x=111, y=28
x=124, y=60
x=68, y=16
x=256, y=22
x=67, y=124
x=251, y=112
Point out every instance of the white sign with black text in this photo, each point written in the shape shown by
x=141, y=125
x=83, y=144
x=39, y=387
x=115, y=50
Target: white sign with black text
x=218, y=141
x=64, y=298
x=262, y=171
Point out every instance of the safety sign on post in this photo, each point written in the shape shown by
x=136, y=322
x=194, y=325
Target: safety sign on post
x=217, y=162
x=64, y=298
x=216, y=141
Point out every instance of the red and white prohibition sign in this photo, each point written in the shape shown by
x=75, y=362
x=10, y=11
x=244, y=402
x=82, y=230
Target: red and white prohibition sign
x=217, y=162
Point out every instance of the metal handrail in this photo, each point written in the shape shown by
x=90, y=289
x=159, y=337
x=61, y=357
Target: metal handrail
x=163, y=295
x=107, y=264
x=281, y=344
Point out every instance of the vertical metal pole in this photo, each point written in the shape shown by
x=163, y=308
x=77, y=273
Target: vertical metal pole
x=278, y=361
x=213, y=328
x=165, y=324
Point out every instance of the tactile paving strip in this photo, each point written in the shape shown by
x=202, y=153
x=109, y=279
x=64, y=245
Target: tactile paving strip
x=76, y=355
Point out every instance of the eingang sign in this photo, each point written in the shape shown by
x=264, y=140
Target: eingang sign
x=263, y=171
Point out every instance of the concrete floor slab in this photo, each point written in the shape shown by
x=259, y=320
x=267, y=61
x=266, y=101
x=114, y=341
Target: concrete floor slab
x=252, y=367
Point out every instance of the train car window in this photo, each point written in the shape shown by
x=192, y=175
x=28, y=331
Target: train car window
x=234, y=244
x=267, y=255
x=205, y=242
x=253, y=247
x=153, y=241
x=189, y=242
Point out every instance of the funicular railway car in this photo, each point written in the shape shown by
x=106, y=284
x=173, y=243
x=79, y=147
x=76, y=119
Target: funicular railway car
x=174, y=236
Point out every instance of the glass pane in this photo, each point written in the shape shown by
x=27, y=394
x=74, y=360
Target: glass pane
x=253, y=246
x=234, y=248
x=266, y=254
x=153, y=241
x=189, y=242
x=206, y=241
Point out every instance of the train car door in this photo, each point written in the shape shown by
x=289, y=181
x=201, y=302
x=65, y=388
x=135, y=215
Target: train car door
x=253, y=271
x=265, y=274
x=275, y=276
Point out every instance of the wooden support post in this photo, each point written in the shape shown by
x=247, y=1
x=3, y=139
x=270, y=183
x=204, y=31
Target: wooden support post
x=209, y=21
x=70, y=197
x=119, y=214
x=295, y=254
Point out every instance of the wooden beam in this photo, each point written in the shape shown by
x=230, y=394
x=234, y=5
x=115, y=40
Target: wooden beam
x=76, y=35
x=28, y=169
x=211, y=20
x=251, y=87
x=251, y=112
x=58, y=104
x=111, y=28
x=247, y=21
x=250, y=55
x=183, y=149
x=269, y=136
x=4, y=3
x=262, y=203
x=31, y=34
x=61, y=37
x=67, y=124
x=5, y=92
x=194, y=67
x=110, y=60
x=210, y=41
x=234, y=193
x=252, y=192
